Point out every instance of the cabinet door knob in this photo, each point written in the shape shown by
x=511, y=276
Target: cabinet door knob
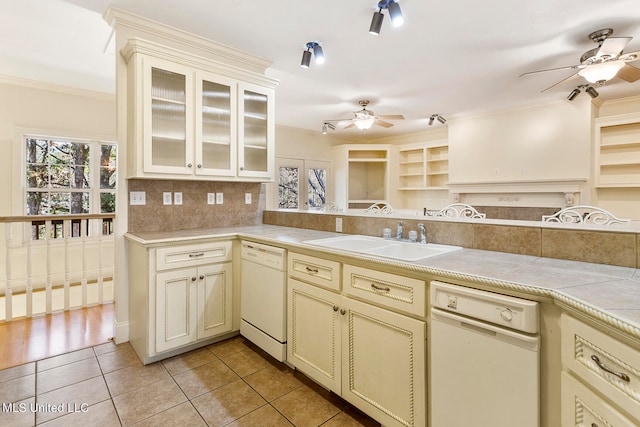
x=343, y=311
x=201, y=277
x=335, y=308
x=189, y=165
x=241, y=168
x=193, y=279
x=199, y=166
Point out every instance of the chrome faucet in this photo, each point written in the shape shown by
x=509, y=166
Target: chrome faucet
x=423, y=234
x=399, y=231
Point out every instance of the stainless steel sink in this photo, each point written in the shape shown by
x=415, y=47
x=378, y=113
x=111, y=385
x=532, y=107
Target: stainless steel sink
x=388, y=248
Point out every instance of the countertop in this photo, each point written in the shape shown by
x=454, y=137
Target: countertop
x=608, y=293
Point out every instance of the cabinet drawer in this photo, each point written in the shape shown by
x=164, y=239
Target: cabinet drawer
x=317, y=271
x=389, y=290
x=608, y=365
x=582, y=407
x=192, y=255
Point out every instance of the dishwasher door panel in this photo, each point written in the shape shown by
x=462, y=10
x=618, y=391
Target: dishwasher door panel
x=263, y=299
x=482, y=375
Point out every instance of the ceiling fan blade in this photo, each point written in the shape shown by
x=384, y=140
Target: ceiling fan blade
x=383, y=124
x=569, y=67
x=392, y=117
x=561, y=82
x=630, y=56
x=629, y=73
x=612, y=46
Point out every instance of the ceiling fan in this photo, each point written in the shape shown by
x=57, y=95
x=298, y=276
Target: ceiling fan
x=364, y=119
x=602, y=63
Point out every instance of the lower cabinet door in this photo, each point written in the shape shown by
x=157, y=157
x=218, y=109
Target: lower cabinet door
x=384, y=364
x=314, y=328
x=175, y=308
x=215, y=289
x=582, y=408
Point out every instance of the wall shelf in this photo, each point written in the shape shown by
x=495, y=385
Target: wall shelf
x=424, y=166
x=617, y=151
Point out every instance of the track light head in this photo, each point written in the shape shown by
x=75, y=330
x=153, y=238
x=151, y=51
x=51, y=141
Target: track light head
x=306, y=59
x=306, y=55
x=592, y=92
x=435, y=117
x=376, y=23
x=324, y=128
x=572, y=95
x=394, y=13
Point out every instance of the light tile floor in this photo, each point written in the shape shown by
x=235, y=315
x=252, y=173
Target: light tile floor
x=231, y=383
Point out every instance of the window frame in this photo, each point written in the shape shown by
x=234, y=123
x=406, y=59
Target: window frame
x=20, y=190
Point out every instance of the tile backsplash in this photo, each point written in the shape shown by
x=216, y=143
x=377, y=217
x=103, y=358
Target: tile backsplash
x=194, y=212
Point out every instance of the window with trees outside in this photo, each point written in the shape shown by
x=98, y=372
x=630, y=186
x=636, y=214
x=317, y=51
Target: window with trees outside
x=66, y=177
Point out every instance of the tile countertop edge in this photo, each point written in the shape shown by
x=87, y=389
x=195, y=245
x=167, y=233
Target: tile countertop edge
x=280, y=238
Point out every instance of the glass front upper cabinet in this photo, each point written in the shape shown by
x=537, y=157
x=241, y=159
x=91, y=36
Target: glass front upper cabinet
x=216, y=131
x=255, y=131
x=169, y=138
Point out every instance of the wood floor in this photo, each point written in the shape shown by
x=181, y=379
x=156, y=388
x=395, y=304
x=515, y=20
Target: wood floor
x=28, y=340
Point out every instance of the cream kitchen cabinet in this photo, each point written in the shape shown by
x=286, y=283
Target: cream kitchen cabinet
x=372, y=357
x=600, y=379
x=180, y=297
x=192, y=304
x=191, y=119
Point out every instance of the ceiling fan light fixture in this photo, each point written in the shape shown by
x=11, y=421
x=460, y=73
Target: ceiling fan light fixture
x=395, y=14
x=601, y=72
x=364, y=124
x=376, y=23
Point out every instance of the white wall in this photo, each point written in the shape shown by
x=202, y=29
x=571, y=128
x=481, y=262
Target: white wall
x=543, y=142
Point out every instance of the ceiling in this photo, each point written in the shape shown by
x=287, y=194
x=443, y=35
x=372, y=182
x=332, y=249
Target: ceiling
x=454, y=58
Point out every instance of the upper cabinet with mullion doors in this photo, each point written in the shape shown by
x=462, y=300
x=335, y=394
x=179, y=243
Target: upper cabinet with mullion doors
x=193, y=118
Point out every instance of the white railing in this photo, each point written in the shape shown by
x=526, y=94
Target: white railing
x=55, y=263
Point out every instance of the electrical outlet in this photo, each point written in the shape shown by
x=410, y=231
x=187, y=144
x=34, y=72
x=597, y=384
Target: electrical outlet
x=219, y=198
x=166, y=198
x=247, y=198
x=339, y=225
x=177, y=198
x=211, y=198
x=137, y=198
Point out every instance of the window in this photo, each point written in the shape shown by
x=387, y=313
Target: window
x=66, y=177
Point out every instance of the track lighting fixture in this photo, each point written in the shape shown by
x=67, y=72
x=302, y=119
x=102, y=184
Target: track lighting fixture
x=394, y=13
x=435, y=117
x=326, y=126
x=317, y=52
x=593, y=93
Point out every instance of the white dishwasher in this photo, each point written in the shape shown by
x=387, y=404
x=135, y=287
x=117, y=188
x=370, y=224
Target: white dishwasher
x=263, y=301
x=485, y=365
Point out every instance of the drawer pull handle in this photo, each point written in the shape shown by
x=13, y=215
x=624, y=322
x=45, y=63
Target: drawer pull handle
x=380, y=288
x=335, y=308
x=621, y=375
x=196, y=255
x=311, y=270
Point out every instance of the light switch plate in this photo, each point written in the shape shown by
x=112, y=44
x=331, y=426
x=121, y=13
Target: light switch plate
x=211, y=198
x=137, y=198
x=166, y=198
x=247, y=198
x=339, y=225
x=219, y=198
x=177, y=198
